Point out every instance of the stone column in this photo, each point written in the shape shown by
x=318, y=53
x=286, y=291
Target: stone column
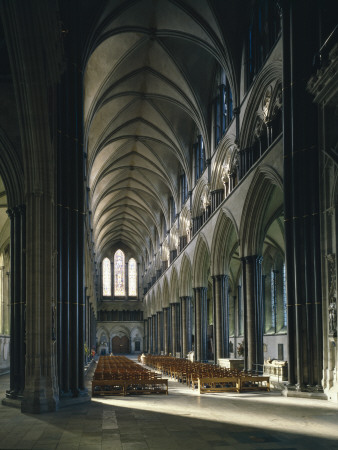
x=150, y=336
x=18, y=302
x=178, y=328
x=165, y=330
x=189, y=323
x=225, y=312
x=204, y=324
x=173, y=329
x=218, y=323
x=145, y=334
x=153, y=334
x=197, y=319
x=154, y=322
x=301, y=202
x=70, y=202
x=253, y=313
x=184, y=327
x=22, y=308
x=159, y=332
x=201, y=323
x=41, y=393
x=2, y=302
x=221, y=317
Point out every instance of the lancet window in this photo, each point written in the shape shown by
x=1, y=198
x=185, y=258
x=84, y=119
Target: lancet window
x=132, y=278
x=119, y=274
x=106, y=277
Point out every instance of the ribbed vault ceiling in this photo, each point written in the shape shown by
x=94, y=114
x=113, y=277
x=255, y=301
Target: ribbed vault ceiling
x=148, y=87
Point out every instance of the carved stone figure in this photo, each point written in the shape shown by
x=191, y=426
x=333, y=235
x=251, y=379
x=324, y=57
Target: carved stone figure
x=266, y=104
x=225, y=172
x=188, y=230
x=333, y=317
x=259, y=128
x=206, y=199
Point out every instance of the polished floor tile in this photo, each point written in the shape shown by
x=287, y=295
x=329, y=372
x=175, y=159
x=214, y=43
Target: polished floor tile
x=183, y=420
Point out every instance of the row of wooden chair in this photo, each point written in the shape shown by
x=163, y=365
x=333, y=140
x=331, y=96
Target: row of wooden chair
x=207, y=377
x=117, y=375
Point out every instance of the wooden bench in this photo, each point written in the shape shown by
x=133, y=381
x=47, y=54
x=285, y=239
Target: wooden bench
x=131, y=386
x=223, y=384
x=151, y=386
x=254, y=383
x=108, y=387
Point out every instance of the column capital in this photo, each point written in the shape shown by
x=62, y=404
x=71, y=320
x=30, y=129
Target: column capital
x=185, y=297
x=199, y=289
x=10, y=212
x=251, y=259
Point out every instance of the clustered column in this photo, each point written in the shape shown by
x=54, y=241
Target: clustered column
x=145, y=339
x=253, y=313
x=301, y=198
x=17, y=301
x=173, y=329
x=159, y=332
x=70, y=218
x=166, y=330
x=154, y=333
x=221, y=317
x=150, y=336
x=201, y=323
x=186, y=331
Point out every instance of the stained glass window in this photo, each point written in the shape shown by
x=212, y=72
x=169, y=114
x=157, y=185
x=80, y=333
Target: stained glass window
x=285, y=316
x=106, y=277
x=119, y=276
x=132, y=277
x=273, y=298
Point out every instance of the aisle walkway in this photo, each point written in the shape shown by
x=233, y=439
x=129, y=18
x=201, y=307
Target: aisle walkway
x=183, y=420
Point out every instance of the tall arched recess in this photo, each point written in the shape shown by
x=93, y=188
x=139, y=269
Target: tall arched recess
x=227, y=281
x=261, y=236
x=11, y=171
x=13, y=259
x=201, y=271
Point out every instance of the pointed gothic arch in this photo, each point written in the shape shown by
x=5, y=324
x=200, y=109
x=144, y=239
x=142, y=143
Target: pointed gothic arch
x=264, y=198
x=271, y=75
x=165, y=293
x=173, y=286
x=185, y=277
x=11, y=171
x=158, y=301
x=201, y=262
x=224, y=152
x=224, y=238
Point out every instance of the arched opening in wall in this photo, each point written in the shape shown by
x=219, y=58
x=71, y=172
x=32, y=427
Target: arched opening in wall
x=222, y=105
x=236, y=305
x=4, y=280
x=103, y=345
x=274, y=292
x=210, y=324
x=263, y=32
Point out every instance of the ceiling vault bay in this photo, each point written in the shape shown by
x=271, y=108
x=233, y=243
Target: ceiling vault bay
x=147, y=92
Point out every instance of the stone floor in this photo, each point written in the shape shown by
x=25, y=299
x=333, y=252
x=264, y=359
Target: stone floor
x=183, y=420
